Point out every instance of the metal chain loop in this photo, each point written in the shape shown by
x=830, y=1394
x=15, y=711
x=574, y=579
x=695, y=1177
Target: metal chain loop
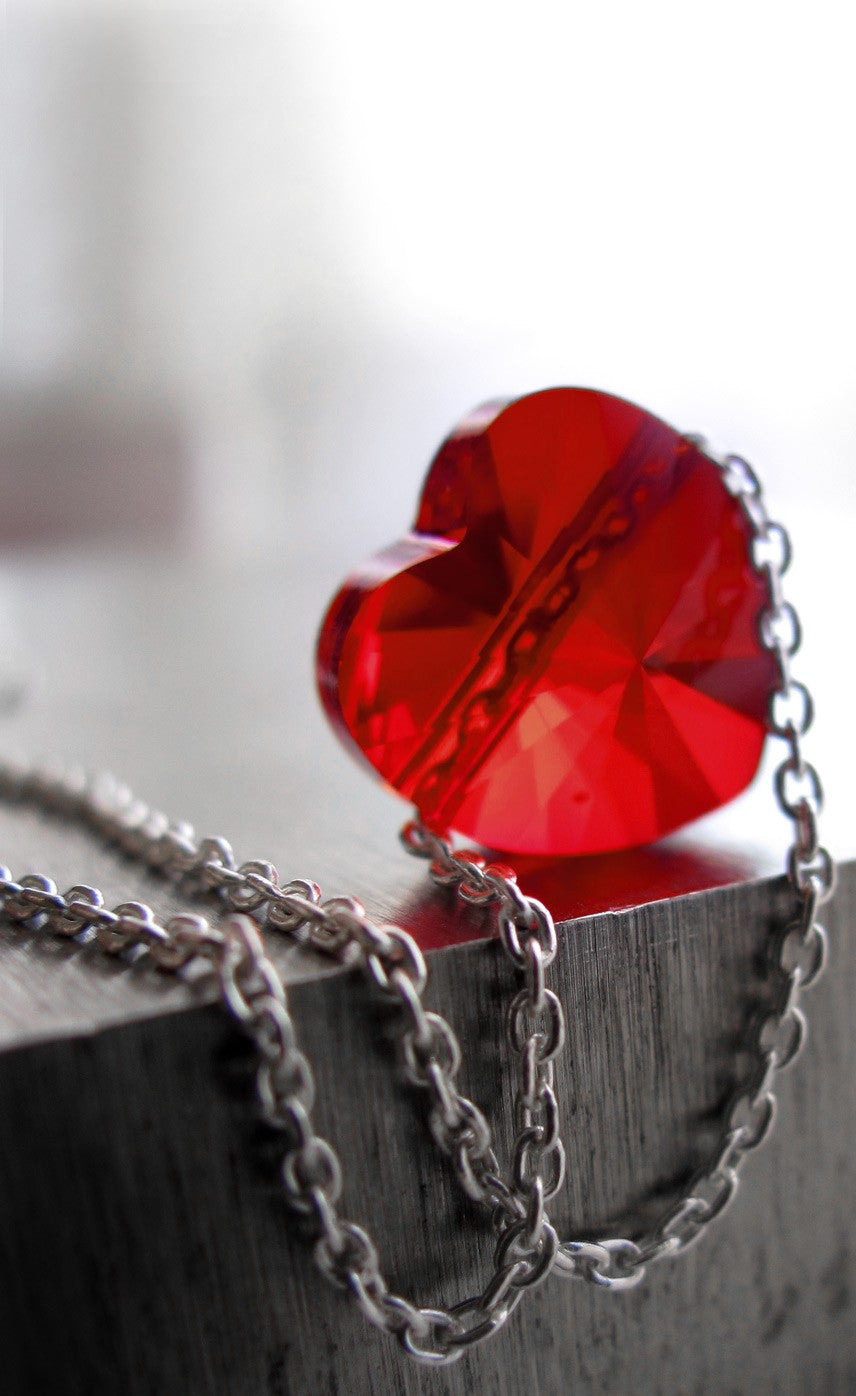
x=526, y=933
x=800, y=951
x=251, y=989
x=536, y=1033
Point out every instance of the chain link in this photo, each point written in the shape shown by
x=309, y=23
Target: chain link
x=528, y=1248
x=536, y=1034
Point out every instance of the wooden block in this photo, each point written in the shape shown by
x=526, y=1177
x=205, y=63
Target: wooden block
x=146, y=1246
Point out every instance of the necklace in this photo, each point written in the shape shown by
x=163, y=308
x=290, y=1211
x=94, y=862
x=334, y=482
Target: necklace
x=528, y=1248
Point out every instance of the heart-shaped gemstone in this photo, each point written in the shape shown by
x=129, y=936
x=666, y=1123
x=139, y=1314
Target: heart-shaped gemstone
x=563, y=655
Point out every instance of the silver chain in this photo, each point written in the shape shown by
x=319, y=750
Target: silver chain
x=528, y=1248
x=252, y=991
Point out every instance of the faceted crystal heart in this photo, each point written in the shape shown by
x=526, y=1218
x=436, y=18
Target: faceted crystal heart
x=562, y=656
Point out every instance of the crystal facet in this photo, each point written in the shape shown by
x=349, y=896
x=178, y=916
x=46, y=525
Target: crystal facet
x=562, y=656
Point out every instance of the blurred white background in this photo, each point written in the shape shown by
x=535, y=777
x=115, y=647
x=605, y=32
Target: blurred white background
x=261, y=256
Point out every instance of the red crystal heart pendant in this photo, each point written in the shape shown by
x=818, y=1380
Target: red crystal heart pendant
x=562, y=656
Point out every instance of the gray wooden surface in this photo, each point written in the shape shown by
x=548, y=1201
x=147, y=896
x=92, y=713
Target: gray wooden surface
x=144, y=1246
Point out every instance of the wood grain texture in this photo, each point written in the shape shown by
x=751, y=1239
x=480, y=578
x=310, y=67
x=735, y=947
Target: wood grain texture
x=145, y=1246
